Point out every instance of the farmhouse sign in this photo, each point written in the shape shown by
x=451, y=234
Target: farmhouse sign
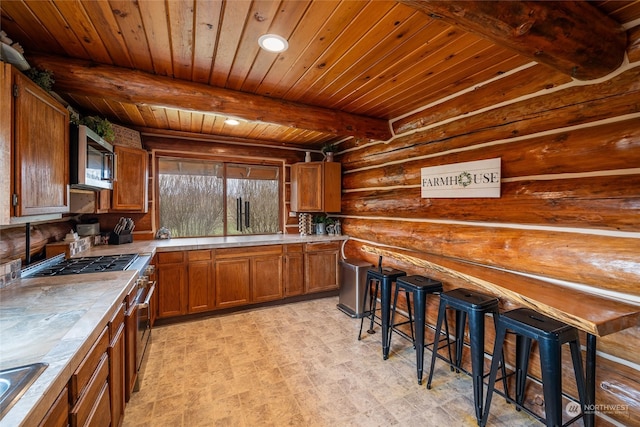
x=480, y=178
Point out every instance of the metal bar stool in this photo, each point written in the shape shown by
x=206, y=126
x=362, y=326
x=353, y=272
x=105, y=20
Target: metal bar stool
x=420, y=287
x=383, y=278
x=476, y=305
x=550, y=334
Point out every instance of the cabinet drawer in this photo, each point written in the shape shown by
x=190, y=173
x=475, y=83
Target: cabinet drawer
x=170, y=257
x=85, y=371
x=92, y=401
x=294, y=248
x=323, y=246
x=199, y=255
x=248, y=251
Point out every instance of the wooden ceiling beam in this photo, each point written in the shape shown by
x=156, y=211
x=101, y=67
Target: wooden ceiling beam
x=137, y=87
x=573, y=37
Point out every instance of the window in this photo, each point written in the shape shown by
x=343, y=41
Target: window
x=210, y=198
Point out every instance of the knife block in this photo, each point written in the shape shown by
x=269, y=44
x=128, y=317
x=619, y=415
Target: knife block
x=118, y=239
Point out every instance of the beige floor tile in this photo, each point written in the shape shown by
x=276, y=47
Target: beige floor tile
x=296, y=365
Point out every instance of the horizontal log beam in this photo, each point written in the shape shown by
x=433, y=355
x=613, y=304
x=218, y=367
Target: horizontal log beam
x=217, y=147
x=573, y=37
x=604, y=203
x=123, y=85
x=568, y=107
x=599, y=261
x=524, y=82
x=609, y=146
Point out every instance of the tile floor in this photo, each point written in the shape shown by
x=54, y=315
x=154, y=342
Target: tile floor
x=298, y=364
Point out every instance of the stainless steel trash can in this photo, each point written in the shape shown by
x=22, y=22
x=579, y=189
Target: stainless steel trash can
x=353, y=274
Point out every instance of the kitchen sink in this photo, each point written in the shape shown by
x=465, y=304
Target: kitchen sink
x=15, y=381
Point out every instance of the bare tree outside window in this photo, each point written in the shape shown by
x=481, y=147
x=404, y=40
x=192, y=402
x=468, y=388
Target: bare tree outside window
x=191, y=198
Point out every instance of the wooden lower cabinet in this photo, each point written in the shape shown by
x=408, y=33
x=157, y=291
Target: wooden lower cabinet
x=266, y=277
x=117, y=368
x=58, y=414
x=200, y=288
x=321, y=266
x=248, y=275
x=184, y=282
x=89, y=387
x=206, y=280
x=293, y=278
x=172, y=284
x=232, y=277
x=95, y=394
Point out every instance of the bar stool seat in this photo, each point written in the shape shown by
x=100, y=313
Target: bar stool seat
x=419, y=287
x=550, y=334
x=383, y=277
x=475, y=305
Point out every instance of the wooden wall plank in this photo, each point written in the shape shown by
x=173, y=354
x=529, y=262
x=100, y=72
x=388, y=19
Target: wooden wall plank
x=566, y=107
x=606, y=203
x=599, y=261
x=129, y=21
x=524, y=82
x=154, y=16
x=106, y=26
x=609, y=146
x=633, y=51
x=207, y=20
x=264, y=63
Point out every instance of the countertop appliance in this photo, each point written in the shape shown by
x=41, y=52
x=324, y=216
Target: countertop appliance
x=58, y=265
x=92, y=158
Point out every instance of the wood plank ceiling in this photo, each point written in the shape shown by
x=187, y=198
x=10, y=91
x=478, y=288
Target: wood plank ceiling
x=374, y=60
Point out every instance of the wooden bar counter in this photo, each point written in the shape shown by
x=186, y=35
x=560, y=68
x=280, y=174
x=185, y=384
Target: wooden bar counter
x=596, y=315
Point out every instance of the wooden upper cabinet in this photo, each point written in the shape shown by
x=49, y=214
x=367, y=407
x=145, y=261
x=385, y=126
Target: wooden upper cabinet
x=41, y=150
x=315, y=187
x=130, y=187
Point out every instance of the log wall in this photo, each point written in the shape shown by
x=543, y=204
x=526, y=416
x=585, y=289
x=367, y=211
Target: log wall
x=569, y=211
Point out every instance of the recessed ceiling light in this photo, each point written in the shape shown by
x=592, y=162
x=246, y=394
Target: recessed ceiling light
x=273, y=43
x=232, y=122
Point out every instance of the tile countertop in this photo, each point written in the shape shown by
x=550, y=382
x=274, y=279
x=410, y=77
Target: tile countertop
x=54, y=320
x=186, y=244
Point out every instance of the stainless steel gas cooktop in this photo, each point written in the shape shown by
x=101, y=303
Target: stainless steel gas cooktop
x=58, y=265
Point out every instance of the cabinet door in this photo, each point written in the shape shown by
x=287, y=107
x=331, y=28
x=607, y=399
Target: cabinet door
x=103, y=201
x=171, y=289
x=201, y=291
x=293, y=274
x=266, y=278
x=130, y=188
x=332, y=187
x=131, y=350
x=232, y=282
x=306, y=187
x=41, y=144
x=58, y=414
x=117, y=376
x=321, y=271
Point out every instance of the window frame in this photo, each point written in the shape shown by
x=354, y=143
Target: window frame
x=280, y=164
